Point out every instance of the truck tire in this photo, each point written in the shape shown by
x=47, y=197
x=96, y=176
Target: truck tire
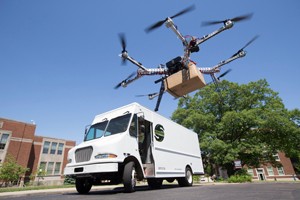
x=187, y=180
x=83, y=185
x=129, y=177
x=154, y=183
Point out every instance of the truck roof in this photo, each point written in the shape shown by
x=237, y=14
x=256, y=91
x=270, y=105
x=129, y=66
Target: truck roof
x=131, y=109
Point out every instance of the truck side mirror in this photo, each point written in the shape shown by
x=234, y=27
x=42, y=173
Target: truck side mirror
x=87, y=127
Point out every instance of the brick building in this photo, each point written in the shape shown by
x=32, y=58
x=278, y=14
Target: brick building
x=270, y=173
x=37, y=153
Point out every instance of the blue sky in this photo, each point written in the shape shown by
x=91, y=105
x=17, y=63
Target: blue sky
x=59, y=60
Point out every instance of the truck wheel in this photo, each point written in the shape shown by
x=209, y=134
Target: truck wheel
x=187, y=180
x=129, y=177
x=154, y=183
x=83, y=185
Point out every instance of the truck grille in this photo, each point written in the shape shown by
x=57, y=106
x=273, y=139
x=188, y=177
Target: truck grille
x=83, y=154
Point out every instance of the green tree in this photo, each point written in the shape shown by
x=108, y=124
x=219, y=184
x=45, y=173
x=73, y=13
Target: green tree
x=245, y=122
x=11, y=171
x=39, y=174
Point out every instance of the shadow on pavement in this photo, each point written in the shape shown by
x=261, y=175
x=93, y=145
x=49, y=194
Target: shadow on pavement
x=117, y=190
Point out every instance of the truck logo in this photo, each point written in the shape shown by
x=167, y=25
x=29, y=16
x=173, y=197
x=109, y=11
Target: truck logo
x=159, y=133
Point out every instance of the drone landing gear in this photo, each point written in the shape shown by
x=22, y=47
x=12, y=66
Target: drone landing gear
x=161, y=92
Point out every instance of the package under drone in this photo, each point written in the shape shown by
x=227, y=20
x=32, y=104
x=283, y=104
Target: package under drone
x=184, y=81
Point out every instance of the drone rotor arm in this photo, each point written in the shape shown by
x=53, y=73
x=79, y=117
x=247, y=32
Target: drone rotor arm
x=130, y=80
x=122, y=83
x=208, y=36
x=227, y=25
x=133, y=61
x=170, y=24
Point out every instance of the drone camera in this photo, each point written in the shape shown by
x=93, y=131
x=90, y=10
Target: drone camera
x=194, y=49
x=174, y=65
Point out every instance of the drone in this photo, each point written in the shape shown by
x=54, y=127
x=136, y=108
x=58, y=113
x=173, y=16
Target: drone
x=180, y=75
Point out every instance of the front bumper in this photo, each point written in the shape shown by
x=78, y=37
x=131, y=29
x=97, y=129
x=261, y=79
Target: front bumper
x=91, y=168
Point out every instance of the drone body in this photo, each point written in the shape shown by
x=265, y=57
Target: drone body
x=181, y=75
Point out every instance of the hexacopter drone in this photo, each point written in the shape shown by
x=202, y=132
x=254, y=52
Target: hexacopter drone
x=181, y=75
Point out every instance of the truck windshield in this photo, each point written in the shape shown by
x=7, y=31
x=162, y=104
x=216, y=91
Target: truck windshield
x=106, y=128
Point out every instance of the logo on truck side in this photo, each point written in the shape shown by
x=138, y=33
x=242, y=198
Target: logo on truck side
x=159, y=132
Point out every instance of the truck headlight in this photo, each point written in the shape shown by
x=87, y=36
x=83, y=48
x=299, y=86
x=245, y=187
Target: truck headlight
x=105, y=155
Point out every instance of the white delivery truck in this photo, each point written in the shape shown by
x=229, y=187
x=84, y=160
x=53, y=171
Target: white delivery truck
x=133, y=143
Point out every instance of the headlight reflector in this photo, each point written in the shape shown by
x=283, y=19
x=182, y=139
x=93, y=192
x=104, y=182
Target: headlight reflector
x=105, y=155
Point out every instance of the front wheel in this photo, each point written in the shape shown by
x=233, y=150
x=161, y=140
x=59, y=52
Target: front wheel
x=187, y=180
x=83, y=185
x=129, y=177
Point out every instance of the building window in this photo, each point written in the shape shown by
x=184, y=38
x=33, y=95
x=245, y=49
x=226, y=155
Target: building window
x=3, y=140
x=53, y=148
x=60, y=148
x=270, y=171
x=276, y=157
x=280, y=170
x=250, y=171
x=57, y=168
x=50, y=168
x=46, y=147
x=42, y=166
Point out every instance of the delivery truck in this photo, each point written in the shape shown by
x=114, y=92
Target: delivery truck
x=133, y=143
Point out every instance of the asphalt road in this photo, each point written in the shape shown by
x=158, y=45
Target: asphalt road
x=265, y=191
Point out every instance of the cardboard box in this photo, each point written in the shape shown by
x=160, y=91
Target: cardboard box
x=184, y=81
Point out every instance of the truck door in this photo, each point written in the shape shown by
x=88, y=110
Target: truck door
x=145, y=136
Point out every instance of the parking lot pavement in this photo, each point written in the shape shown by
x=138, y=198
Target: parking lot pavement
x=98, y=188
x=50, y=191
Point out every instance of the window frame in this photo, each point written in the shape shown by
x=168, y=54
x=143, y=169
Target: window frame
x=250, y=171
x=53, y=148
x=60, y=148
x=280, y=171
x=4, y=144
x=270, y=170
x=57, y=168
x=276, y=157
x=50, y=167
x=44, y=147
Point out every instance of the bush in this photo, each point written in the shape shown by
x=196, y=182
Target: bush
x=69, y=180
x=240, y=176
x=239, y=179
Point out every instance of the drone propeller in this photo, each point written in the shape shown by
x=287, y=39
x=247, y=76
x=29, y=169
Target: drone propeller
x=216, y=79
x=242, y=49
x=226, y=72
x=160, y=23
x=123, y=43
x=235, y=19
x=150, y=96
x=124, y=81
